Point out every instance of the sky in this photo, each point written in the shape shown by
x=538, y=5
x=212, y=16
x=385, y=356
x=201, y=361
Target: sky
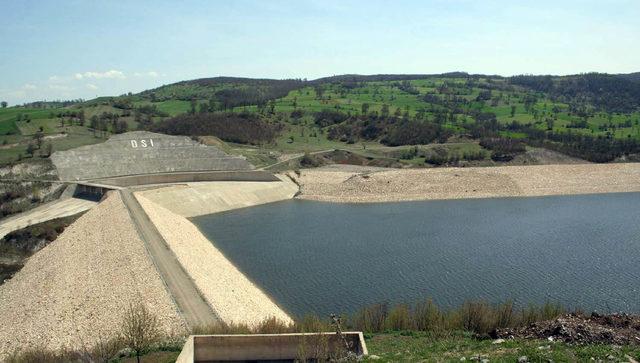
x=69, y=49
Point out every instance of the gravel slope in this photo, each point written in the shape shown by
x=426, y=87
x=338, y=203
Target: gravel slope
x=233, y=297
x=78, y=287
x=336, y=184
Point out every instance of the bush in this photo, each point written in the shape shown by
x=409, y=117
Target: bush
x=309, y=161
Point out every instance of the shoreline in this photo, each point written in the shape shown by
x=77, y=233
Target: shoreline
x=232, y=295
x=349, y=184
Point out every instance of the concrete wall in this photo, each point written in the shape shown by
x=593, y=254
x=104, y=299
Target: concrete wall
x=189, y=177
x=142, y=152
x=205, y=198
x=279, y=347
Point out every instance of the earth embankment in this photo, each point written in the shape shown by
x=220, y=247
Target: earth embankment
x=353, y=184
x=76, y=290
x=232, y=296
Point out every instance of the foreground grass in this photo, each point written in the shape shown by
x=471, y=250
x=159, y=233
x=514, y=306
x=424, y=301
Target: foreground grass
x=412, y=346
x=452, y=347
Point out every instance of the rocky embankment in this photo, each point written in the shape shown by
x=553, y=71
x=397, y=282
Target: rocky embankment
x=339, y=183
x=233, y=297
x=75, y=290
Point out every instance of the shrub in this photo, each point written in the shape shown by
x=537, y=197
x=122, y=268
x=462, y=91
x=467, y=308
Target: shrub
x=398, y=318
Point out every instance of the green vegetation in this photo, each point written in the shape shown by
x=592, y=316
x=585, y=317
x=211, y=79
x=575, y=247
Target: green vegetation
x=591, y=116
x=410, y=346
x=392, y=334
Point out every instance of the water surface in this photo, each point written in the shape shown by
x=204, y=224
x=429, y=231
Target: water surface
x=329, y=257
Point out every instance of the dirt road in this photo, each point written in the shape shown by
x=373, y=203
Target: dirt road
x=193, y=307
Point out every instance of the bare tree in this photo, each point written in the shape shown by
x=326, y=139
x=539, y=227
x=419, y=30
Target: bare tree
x=140, y=328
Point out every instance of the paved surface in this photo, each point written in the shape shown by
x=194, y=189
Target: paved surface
x=194, y=308
x=56, y=209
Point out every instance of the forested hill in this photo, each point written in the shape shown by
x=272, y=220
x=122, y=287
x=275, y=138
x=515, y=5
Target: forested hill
x=228, y=91
x=591, y=116
x=611, y=93
x=631, y=76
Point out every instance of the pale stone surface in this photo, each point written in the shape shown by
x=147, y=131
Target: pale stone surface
x=194, y=199
x=233, y=297
x=56, y=209
x=77, y=288
x=386, y=185
x=142, y=152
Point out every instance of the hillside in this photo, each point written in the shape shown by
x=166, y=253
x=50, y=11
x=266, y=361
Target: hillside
x=496, y=119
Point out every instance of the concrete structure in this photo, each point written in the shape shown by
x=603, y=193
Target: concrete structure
x=141, y=152
x=63, y=207
x=195, y=199
x=189, y=177
x=270, y=347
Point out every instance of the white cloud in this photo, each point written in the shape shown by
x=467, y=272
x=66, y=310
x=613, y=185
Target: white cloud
x=112, y=74
x=55, y=78
x=152, y=74
x=92, y=86
x=59, y=87
x=29, y=86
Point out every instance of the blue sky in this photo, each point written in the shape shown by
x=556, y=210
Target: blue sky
x=71, y=49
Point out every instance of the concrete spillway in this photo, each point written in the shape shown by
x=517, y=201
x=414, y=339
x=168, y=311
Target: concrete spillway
x=141, y=152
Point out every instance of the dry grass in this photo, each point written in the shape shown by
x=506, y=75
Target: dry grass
x=478, y=317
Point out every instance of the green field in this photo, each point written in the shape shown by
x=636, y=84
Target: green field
x=452, y=102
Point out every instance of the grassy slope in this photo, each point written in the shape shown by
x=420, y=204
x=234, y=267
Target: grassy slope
x=423, y=347
x=302, y=134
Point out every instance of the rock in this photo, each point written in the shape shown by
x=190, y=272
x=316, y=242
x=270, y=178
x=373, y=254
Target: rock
x=484, y=361
x=374, y=357
x=498, y=341
x=544, y=347
x=611, y=357
x=463, y=359
x=523, y=359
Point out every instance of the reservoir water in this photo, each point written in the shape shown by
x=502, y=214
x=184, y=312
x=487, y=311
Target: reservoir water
x=581, y=251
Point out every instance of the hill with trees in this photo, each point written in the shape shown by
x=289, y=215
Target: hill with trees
x=591, y=116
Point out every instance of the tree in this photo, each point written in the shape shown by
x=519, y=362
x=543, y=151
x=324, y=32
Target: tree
x=121, y=127
x=365, y=108
x=81, y=117
x=194, y=103
x=4, y=104
x=385, y=111
x=38, y=136
x=31, y=149
x=48, y=149
x=140, y=328
x=513, y=110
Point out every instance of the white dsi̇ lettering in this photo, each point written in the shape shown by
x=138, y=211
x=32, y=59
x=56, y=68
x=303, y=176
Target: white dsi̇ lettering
x=151, y=142
x=134, y=143
x=143, y=143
